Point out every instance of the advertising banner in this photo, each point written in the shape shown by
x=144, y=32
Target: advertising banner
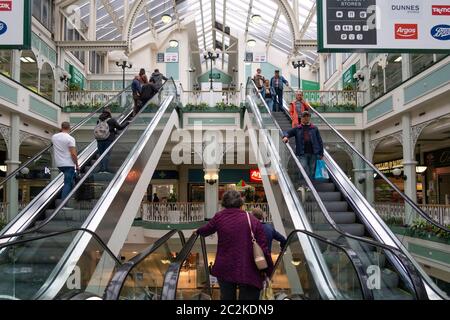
x=15, y=24
x=383, y=25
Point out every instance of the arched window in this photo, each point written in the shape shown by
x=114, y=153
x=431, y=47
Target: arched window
x=376, y=81
x=5, y=62
x=29, y=70
x=47, y=81
x=393, y=71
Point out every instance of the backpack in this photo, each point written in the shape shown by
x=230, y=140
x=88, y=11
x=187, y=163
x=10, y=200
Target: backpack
x=101, y=131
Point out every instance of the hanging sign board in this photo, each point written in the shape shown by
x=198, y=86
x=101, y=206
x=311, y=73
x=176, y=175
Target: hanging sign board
x=15, y=24
x=383, y=26
x=171, y=57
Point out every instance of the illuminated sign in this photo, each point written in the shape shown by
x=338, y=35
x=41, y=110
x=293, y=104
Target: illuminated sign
x=390, y=165
x=255, y=176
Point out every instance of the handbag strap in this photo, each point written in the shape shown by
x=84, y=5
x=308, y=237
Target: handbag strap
x=250, y=225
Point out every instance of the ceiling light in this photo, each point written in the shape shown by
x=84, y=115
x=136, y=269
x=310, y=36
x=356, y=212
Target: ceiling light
x=30, y=59
x=166, y=18
x=398, y=59
x=296, y=262
x=256, y=18
x=3, y=168
x=251, y=43
x=23, y=59
x=173, y=43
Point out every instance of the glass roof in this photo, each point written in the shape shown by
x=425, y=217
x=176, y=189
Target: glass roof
x=235, y=13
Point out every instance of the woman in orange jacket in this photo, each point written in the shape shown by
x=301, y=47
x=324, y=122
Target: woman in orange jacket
x=297, y=107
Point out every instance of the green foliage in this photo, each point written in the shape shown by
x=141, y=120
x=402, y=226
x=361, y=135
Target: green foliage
x=422, y=228
x=320, y=107
x=394, y=221
x=249, y=194
x=172, y=197
x=196, y=107
x=226, y=106
x=3, y=223
x=74, y=87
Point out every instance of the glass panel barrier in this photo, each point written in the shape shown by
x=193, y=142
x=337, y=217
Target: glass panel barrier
x=27, y=264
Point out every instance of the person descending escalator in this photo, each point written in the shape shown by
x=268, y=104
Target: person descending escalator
x=105, y=133
x=297, y=107
x=235, y=265
x=308, y=144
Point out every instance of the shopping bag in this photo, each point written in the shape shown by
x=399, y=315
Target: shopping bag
x=267, y=291
x=321, y=171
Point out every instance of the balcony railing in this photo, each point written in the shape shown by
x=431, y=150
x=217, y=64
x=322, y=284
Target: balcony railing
x=330, y=101
x=173, y=212
x=440, y=213
x=85, y=101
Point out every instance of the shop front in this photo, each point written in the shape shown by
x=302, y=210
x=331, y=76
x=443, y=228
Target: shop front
x=438, y=177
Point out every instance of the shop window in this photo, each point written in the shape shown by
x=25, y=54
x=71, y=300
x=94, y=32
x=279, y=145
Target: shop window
x=42, y=11
x=47, y=81
x=376, y=82
x=29, y=70
x=393, y=71
x=5, y=62
x=420, y=62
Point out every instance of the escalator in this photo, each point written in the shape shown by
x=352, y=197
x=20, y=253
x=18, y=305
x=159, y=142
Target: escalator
x=123, y=104
x=337, y=210
x=42, y=261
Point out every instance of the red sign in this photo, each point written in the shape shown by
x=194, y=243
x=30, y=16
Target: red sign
x=5, y=5
x=255, y=176
x=441, y=10
x=406, y=32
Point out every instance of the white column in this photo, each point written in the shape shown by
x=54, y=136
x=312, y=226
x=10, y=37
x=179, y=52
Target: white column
x=406, y=66
x=15, y=65
x=93, y=20
x=409, y=167
x=358, y=165
x=322, y=68
x=211, y=195
x=370, y=196
x=12, y=186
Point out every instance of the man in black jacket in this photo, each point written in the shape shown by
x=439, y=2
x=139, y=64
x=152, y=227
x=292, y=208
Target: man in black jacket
x=102, y=145
x=148, y=91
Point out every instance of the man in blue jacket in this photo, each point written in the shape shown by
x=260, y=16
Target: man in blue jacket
x=269, y=230
x=308, y=143
x=277, y=83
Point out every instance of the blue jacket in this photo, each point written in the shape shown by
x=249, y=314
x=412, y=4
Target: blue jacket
x=316, y=139
x=136, y=86
x=271, y=234
x=282, y=80
x=272, y=91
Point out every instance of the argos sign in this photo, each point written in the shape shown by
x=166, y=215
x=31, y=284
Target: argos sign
x=406, y=31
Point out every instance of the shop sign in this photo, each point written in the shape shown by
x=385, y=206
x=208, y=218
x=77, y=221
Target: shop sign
x=347, y=77
x=160, y=57
x=15, y=24
x=389, y=165
x=440, y=158
x=171, y=57
x=76, y=77
x=255, y=176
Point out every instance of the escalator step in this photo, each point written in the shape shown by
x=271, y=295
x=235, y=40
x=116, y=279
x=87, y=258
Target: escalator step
x=336, y=206
x=343, y=217
x=355, y=229
x=330, y=196
x=324, y=186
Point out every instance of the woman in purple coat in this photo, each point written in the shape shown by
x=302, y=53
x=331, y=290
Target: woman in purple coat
x=234, y=266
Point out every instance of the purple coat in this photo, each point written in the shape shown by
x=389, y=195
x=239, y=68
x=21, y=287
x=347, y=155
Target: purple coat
x=234, y=259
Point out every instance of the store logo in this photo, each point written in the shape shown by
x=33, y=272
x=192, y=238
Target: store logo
x=5, y=5
x=408, y=8
x=401, y=9
x=406, y=31
x=255, y=175
x=441, y=32
x=3, y=27
x=441, y=10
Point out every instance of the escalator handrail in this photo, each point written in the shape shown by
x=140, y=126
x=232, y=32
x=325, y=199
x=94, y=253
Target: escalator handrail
x=78, y=185
x=357, y=265
x=412, y=272
x=422, y=213
x=58, y=233
x=173, y=272
x=115, y=285
x=73, y=129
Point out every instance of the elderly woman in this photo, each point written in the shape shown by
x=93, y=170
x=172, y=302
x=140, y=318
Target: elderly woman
x=234, y=266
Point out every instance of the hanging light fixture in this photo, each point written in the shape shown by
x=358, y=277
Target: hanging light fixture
x=166, y=18
x=173, y=43
x=251, y=42
x=256, y=18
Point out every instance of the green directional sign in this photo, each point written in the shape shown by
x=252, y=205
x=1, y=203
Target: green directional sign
x=347, y=77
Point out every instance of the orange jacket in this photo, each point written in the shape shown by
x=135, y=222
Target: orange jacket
x=294, y=114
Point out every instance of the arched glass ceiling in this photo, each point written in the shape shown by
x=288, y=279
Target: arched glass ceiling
x=235, y=13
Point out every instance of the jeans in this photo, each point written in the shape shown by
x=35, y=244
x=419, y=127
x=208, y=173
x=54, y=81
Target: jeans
x=269, y=102
x=102, y=145
x=69, y=176
x=246, y=292
x=278, y=103
x=308, y=162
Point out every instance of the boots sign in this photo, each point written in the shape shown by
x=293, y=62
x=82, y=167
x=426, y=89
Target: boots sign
x=383, y=26
x=15, y=24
